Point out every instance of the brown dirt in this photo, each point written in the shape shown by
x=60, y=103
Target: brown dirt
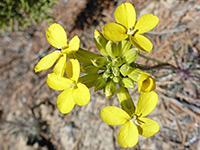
x=29, y=117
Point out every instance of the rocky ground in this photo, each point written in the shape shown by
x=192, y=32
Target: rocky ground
x=29, y=118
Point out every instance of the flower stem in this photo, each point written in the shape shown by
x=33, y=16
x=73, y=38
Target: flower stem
x=152, y=59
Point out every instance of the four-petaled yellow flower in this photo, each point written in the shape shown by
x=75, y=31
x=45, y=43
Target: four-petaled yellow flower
x=133, y=124
x=74, y=92
x=128, y=27
x=57, y=37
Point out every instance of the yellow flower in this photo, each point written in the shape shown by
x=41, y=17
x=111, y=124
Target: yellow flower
x=74, y=91
x=135, y=124
x=128, y=27
x=146, y=83
x=57, y=37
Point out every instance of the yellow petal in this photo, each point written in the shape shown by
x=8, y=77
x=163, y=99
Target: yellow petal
x=56, y=36
x=146, y=103
x=81, y=95
x=125, y=15
x=60, y=66
x=128, y=135
x=47, y=61
x=73, y=69
x=114, y=32
x=65, y=102
x=146, y=23
x=113, y=115
x=141, y=43
x=73, y=45
x=57, y=83
x=148, y=127
x=146, y=83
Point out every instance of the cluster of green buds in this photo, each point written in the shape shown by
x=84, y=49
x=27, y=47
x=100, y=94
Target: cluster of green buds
x=112, y=68
x=114, y=71
x=115, y=67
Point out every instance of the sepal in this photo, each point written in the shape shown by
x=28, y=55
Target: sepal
x=99, y=61
x=83, y=56
x=125, y=100
x=131, y=55
x=112, y=49
x=123, y=46
x=128, y=83
x=135, y=74
x=100, y=42
x=99, y=83
x=126, y=69
x=89, y=69
x=88, y=79
x=110, y=89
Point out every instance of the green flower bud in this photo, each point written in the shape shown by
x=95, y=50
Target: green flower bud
x=109, y=64
x=135, y=74
x=100, y=42
x=110, y=89
x=116, y=79
x=117, y=61
x=88, y=80
x=99, y=61
x=125, y=100
x=99, y=83
x=89, y=69
x=112, y=76
x=115, y=71
x=83, y=56
x=106, y=75
x=112, y=49
x=126, y=69
x=123, y=46
x=128, y=83
x=131, y=55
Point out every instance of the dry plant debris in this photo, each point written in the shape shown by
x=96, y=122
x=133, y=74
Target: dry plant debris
x=28, y=115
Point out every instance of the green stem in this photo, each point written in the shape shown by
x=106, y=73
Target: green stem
x=163, y=65
x=152, y=59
